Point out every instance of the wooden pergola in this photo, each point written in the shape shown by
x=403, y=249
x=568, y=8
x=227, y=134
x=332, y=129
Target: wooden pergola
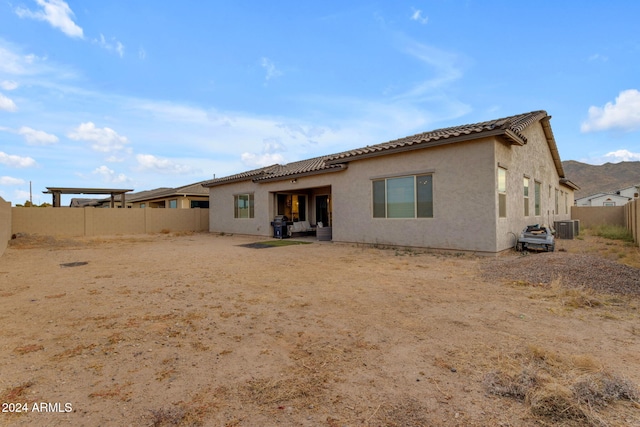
x=58, y=191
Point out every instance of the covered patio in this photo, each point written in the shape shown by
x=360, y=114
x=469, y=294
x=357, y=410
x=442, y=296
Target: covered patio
x=56, y=192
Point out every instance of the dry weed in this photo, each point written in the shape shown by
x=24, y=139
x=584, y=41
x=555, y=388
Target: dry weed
x=570, y=390
x=28, y=348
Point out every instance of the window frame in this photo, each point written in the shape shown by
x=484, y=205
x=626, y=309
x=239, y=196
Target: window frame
x=421, y=202
x=238, y=212
x=526, y=185
x=502, y=192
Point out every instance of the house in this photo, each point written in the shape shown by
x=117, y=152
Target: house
x=631, y=192
x=469, y=188
x=615, y=198
x=185, y=197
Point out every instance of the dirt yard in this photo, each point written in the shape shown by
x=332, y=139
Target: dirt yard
x=190, y=330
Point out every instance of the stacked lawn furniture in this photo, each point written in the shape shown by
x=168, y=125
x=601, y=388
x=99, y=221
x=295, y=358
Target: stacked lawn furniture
x=301, y=228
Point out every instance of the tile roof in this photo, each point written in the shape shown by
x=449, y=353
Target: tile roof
x=509, y=127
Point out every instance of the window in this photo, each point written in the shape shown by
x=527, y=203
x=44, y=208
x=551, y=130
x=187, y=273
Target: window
x=404, y=197
x=556, y=205
x=566, y=203
x=204, y=204
x=173, y=204
x=502, y=193
x=243, y=206
x=526, y=196
x=537, y=190
x=143, y=205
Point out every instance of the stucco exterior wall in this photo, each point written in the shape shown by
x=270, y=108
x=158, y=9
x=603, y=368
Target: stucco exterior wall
x=462, y=188
x=5, y=224
x=533, y=160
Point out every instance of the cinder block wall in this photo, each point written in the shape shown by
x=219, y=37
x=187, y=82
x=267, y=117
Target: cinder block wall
x=76, y=222
x=5, y=224
x=591, y=216
x=632, y=219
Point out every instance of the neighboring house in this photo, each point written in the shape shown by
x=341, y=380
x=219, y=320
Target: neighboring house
x=630, y=192
x=603, y=199
x=469, y=188
x=185, y=197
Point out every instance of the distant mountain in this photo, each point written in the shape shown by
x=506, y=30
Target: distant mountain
x=605, y=178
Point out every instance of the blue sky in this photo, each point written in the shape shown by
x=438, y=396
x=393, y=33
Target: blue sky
x=140, y=94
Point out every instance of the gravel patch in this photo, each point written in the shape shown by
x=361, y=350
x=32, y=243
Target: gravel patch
x=573, y=270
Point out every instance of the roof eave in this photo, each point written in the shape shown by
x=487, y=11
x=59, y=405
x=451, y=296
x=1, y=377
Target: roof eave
x=336, y=168
x=567, y=183
x=418, y=146
x=555, y=154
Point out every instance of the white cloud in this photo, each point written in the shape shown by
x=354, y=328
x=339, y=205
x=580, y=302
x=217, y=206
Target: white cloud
x=37, y=137
x=270, y=68
x=444, y=64
x=16, y=161
x=14, y=62
x=7, y=104
x=271, y=149
x=621, y=156
x=8, y=85
x=7, y=180
x=151, y=162
x=57, y=13
x=105, y=140
x=598, y=57
x=623, y=114
x=110, y=175
x=417, y=16
x=253, y=160
x=142, y=54
x=112, y=45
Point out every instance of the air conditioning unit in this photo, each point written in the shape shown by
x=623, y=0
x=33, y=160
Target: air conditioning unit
x=564, y=229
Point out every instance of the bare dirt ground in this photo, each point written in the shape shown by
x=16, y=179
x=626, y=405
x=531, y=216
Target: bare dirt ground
x=182, y=330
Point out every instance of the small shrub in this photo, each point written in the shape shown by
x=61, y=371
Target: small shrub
x=602, y=388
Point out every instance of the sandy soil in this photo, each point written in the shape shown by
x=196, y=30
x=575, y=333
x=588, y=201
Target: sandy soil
x=178, y=330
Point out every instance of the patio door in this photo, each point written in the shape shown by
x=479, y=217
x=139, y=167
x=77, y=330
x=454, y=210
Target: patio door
x=323, y=210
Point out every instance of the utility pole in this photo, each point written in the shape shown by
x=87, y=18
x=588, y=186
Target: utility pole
x=30, y=194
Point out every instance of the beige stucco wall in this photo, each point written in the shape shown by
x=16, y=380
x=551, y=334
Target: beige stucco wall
x=5, y=224
x=534, y=161
x=462, y=185
x=97, y=222
x=465, y=196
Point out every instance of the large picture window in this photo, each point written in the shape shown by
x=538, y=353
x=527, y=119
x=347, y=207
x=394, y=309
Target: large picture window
x=403, y=197
x=243, y=205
